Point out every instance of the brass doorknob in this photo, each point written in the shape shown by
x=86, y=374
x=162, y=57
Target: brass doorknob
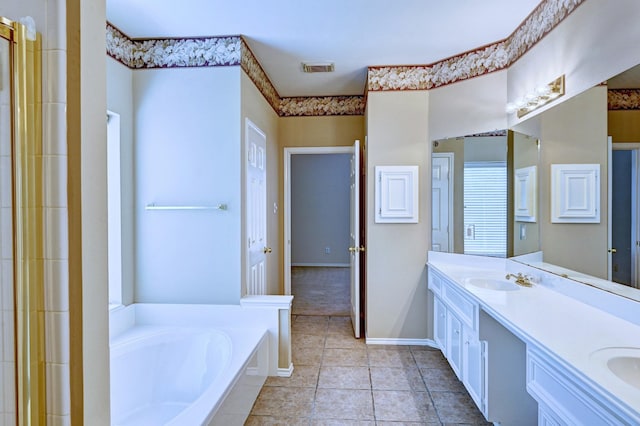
x=612, y=250
x=352, y=249
x=267, y=250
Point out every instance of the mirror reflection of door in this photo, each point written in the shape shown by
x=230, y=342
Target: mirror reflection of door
x=442, y=202
x=624, y=218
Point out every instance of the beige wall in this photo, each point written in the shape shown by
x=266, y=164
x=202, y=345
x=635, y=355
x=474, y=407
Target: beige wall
x=575, y=132
x=312, y=132
x=396, y=298
x=255, y=108
x=320, y=131
x=624, y=125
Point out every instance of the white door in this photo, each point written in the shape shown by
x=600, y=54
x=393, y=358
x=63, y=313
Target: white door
x=354, y=241
x=441, y=202
x=256, y=221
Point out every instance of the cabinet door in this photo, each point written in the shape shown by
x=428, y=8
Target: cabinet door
x=545, y=418
x=474, y=368
x=454, y=343
x=440, y=324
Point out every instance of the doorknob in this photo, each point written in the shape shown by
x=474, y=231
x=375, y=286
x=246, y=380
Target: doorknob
x=612, y=250
x=352, y=249
x=267, y=250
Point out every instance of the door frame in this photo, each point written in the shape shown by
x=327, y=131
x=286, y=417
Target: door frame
x=451, y=158
x=635, y=207
x=288, y=152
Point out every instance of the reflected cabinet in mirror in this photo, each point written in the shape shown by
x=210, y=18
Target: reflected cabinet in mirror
x=478, y=201
x=597, y=127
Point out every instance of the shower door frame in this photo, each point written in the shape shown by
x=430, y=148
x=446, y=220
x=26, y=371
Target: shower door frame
x=27, y=211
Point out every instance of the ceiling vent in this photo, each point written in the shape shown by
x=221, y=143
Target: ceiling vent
x=318, y=67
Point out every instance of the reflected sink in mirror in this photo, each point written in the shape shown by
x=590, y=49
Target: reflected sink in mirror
x=623, y=363
x=491, y=284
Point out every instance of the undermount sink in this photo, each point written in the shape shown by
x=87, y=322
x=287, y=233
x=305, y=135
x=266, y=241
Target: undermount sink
x=624, y=363
x=491, y=284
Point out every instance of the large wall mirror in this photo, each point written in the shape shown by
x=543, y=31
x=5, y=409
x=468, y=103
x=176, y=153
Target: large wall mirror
x=600, y=126
x=484, y=194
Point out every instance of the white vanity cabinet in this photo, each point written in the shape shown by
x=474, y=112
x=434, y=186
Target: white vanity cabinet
x=456, y=332
x=564, y=399
x=475, y=368
x=440, y=323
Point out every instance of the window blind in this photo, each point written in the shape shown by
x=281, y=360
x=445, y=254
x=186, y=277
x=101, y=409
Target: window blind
x=485, y=208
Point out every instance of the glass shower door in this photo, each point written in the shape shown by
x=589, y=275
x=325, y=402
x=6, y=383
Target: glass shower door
x=7, y=331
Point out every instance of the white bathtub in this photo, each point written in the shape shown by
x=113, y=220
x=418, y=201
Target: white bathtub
x=163, y=375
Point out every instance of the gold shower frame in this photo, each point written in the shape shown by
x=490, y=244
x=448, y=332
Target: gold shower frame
x=28, y=252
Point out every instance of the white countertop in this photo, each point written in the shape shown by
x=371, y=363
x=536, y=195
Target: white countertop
x=565, y=329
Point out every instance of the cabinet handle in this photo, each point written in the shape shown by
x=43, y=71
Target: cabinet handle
x=457, y=331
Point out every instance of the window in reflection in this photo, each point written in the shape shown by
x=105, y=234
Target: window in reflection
x=485, y=208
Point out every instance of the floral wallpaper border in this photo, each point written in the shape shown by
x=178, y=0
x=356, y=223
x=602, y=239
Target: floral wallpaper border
x=322, y=105
x=234, y=51
x=546, y=16
x=170, y=53
x=623, y=99
x=252, y=67
x=222, y=51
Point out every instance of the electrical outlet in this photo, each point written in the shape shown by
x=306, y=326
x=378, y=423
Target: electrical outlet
x=327, y=250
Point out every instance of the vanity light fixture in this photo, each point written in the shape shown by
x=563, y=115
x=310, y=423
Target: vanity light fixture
x=541, y=96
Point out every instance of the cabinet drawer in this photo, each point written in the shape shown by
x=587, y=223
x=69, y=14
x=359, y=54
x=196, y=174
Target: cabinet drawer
x=464, y=307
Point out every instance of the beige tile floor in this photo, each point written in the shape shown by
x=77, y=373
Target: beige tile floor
x=338, y=380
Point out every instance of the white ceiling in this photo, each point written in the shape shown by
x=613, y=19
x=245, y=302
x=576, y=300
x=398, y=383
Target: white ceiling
x=353, y=34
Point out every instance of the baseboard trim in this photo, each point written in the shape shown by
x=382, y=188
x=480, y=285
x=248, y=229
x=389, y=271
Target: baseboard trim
x=323, y=265
x=285, y=372
x=401, y=342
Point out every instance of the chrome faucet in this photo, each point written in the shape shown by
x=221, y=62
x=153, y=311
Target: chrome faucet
x=520, y=279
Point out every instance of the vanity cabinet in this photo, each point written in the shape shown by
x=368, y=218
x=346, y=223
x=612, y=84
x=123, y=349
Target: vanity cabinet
x=456, y=333
x=454, y=343
x=564, y=399
x=475, y=367
x=440, y=323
